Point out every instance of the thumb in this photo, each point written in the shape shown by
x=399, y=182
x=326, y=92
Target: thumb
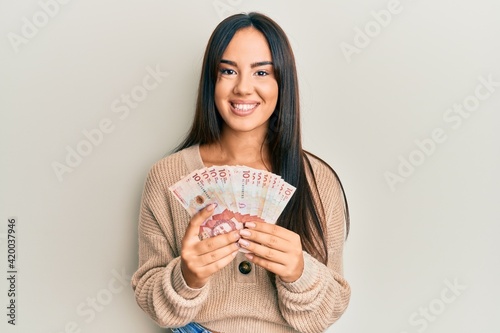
x=193, y=228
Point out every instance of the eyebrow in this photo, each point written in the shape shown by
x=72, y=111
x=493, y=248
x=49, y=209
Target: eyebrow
x=255, y=64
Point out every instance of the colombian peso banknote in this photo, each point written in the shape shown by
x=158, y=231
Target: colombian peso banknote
x=240, y=194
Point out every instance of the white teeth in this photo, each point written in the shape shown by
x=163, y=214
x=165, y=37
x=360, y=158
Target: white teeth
x=244, y=107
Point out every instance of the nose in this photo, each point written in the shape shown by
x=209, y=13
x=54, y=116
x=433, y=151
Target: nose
x=243, y=85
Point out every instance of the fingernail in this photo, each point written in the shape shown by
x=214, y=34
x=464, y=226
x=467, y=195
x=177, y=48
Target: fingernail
x=250, y=225
x=236, y=235
x=234, y=253
x=211, y=207
x=249, y=256
x=245, y=232
x=243, y=242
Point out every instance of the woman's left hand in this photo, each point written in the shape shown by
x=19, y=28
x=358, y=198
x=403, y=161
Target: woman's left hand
x=274, y=248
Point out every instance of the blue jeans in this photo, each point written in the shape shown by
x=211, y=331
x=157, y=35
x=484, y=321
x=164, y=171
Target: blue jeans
x=190, y=328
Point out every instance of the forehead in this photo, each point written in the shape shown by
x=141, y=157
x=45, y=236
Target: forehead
x=248, y=44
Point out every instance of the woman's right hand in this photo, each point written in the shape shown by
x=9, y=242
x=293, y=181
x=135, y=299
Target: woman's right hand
x=200, y=259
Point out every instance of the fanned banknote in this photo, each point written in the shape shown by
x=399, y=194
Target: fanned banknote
x=240, y=194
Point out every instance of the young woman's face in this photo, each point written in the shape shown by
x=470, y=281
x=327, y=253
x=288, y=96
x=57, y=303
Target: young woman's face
x=246, y=91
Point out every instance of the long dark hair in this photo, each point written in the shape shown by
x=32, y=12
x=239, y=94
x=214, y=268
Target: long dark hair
x=288, y=159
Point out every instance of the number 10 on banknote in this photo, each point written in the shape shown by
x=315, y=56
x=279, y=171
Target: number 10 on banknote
x=240, y=194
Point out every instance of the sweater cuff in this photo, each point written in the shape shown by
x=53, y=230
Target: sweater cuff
x=180, y=286
x=309, y=278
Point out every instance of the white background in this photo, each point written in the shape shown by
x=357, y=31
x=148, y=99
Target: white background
x=438, y=225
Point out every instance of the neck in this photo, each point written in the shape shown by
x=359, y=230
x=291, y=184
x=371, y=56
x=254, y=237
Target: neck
x=243, y=147
x=240, y=148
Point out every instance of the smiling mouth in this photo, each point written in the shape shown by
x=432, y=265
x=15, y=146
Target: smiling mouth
x=242, y=107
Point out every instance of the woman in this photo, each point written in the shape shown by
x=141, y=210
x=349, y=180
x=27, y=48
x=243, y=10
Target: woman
x=247, y=113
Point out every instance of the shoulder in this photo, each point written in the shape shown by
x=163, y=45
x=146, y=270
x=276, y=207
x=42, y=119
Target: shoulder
x=171, y=168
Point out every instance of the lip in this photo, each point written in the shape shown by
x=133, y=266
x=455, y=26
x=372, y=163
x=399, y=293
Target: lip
x=243, y=112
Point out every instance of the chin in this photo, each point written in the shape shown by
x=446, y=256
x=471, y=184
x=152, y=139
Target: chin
x=245, y=127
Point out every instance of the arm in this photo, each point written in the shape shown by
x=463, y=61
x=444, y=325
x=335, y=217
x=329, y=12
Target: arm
x=159, y=286
x=316, y=300
x=311, y=295
x=321, y=294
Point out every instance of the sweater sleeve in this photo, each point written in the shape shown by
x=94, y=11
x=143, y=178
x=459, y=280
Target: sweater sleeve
x=320, y=296
x=159, y=286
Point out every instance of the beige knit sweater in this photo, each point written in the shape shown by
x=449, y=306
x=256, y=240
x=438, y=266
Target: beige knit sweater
x=233, y=302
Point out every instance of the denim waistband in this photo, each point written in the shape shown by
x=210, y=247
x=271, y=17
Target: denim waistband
x=191, y=328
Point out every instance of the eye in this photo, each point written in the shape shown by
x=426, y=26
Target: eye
x=227, y=71
x=262, y=73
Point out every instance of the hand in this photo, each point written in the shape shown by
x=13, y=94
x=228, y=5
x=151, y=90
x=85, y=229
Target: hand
x=274, y=248
x=200, y=259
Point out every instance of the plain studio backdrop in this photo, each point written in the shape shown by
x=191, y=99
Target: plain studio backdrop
x=401, y=97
